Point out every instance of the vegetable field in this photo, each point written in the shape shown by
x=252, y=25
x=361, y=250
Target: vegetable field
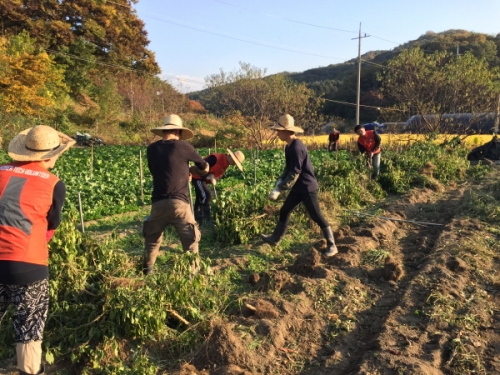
x=398, y=298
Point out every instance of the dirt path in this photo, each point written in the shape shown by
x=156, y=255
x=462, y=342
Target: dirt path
x=397, y=299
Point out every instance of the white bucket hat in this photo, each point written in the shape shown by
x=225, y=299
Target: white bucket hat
x=286, y=122
x=238, y=158
x=39, y=143
x=174, y=122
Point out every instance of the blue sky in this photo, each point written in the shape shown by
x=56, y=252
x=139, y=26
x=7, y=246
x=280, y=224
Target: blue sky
x=193, y=39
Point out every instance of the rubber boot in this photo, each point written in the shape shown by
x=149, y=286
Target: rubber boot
x=198, y=215
x=207, y=215
x=331, y=248
x=277, y=235
x=29, y=358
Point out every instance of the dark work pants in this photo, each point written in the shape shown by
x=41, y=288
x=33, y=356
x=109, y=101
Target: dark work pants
x=310, y=200
x=203, y=194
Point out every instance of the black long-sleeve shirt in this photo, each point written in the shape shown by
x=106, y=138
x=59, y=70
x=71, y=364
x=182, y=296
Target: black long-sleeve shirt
x=298, y=162
x=168, y=162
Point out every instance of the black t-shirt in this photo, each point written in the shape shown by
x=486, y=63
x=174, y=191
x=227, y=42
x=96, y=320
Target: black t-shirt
x=168, y=162
x=298, y=161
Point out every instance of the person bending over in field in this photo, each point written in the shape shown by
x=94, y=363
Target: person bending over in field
x=333, y=140
x=168, y=162
x=298, y=176
x=218, y=165
x=30, y=210
x=369, y=144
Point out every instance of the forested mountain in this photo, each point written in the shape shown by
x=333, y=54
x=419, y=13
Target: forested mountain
x=84, y=65
x=338, y=82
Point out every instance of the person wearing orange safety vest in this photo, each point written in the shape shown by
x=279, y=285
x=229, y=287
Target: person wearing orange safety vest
x=218, y=164
x=31, y=200
x=369, y=144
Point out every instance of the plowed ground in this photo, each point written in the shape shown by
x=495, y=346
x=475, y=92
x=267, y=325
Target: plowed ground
x=399, y=298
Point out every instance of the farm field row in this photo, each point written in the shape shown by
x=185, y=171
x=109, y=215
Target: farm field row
x=254, y=309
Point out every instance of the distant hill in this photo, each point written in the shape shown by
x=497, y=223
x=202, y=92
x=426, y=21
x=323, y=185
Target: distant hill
x=337, y=81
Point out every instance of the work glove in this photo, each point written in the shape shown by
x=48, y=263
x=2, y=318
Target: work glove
x=210, y=178
x=274, y=194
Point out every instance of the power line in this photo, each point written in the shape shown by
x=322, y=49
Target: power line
x=361, y=105
x=259, y=43
x=122, y=67
x=178, y=23
x=286, y=19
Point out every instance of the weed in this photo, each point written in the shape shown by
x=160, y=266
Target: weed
x=374, y=257
x=463, y=359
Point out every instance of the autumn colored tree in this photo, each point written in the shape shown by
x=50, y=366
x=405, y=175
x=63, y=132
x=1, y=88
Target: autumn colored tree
x=31, y=84
x=113, y=27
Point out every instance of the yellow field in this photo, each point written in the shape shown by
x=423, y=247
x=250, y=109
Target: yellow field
x=348, y=141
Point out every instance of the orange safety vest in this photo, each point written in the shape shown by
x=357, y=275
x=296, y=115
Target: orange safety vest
x=368, y=141
x=218, y=169
x=26, y=194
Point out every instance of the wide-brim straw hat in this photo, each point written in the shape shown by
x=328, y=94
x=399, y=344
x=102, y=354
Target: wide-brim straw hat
x=238, y=158
x=39, y=143
x=174, y=122
x=286, y=122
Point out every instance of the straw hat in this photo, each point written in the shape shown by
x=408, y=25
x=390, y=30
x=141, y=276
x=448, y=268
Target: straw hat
x=39, y=143
x=174, y=122
x=237, y=157
x=286, y=122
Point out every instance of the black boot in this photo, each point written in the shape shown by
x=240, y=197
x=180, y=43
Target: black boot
x=331, y=248
x=198, y=215
x=207, y=215
x=278, y=233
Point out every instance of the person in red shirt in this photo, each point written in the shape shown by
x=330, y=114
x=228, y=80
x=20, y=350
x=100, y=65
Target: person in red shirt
x=333, y=140
x=218, y=165
x=369, y=144
x=31, y=200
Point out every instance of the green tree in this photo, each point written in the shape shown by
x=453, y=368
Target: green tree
x=259, y=99
x=440, y=83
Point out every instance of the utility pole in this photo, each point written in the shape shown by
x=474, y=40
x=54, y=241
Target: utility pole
x=497, y=118
x=359, y=72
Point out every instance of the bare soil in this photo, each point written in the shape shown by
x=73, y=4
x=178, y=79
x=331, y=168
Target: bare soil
x=429, y=305
x=399, y=298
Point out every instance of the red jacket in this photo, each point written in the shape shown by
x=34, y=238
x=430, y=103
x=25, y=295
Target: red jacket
x=218, y=169
x=368, y=142
x=334, y=137
x=26, y=193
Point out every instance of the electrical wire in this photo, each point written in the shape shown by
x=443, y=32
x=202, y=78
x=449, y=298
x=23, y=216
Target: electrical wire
x=361, y=105
x=192, y=81
x=287, y=19
x=121, y=66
